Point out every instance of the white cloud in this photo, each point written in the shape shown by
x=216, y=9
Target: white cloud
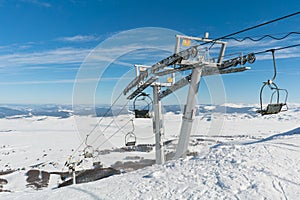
x=79, y=38
x=63, y=81
x=38, y=3
x=66, y=57
x=57, y=56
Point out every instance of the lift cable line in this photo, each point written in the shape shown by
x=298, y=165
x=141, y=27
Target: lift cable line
x=263, y=37
x=254, y=27
x=96, y=125
x=73, y=164
x=277, y=49
x=176, y=57
x=87, y=154
x=107, y=126
x=117, y=131
x=265, y=51
x=120, y=128
x=259, y=25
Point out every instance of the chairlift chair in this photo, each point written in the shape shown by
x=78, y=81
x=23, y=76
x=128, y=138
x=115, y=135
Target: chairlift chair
x=277, y=106
x=144, y=111
x=130, y=138
x=88, y=151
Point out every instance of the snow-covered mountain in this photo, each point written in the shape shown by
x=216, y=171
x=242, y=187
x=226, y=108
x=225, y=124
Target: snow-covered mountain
x=236, y=155
x=65, y=111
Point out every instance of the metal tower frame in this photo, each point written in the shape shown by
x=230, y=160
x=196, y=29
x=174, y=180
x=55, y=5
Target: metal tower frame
x=180, y=61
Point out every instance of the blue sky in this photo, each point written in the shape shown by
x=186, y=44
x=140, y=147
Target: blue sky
x=44, y=43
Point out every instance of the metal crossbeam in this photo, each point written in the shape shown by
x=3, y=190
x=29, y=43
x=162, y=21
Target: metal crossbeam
x=171, y=60
x=142, y=87
x=227, y=64
x=179, y=84
x=214, y=71
x=181, y=68
x=205, y=72
x=135, y=82
x=233, y=70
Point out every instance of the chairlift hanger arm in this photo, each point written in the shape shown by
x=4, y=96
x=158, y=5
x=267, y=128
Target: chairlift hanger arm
x=170, y=71
x=274, y=64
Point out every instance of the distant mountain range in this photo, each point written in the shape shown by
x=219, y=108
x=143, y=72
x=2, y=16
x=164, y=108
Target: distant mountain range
x=65, y=111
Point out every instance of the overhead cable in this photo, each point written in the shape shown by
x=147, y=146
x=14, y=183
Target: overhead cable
x=263, y=37
x=277, y=49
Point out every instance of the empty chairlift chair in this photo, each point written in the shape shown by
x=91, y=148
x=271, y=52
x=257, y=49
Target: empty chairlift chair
x=130, y=138
x=276, y=106
x=141, y=106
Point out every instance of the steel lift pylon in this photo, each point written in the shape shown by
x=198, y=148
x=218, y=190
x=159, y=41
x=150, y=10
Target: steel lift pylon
x=186, y=60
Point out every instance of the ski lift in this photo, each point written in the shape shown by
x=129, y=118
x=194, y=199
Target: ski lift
x=144, y=110
x=276, y=106
x=130, y=138
x=88, y=151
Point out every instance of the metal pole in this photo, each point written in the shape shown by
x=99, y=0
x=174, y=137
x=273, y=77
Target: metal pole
x=189, y=113
x=74, y=175
x=177, y=44
x=157, y=126
x=176, y=50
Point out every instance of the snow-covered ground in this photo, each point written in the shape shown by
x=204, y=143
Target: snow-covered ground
x=238, y=155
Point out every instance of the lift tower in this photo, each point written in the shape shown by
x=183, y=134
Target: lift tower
x=194, y=60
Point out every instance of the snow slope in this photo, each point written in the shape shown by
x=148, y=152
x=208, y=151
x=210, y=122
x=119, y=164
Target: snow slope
x=248, y=157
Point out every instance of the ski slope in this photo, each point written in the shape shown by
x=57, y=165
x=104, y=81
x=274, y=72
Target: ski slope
x=249, y=157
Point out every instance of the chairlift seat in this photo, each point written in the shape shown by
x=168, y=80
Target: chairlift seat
x=272, y=109
x=130, y=139
x=131, y=143
x=141, y=113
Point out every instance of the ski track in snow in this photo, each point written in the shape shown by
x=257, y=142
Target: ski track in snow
x=252, y=158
